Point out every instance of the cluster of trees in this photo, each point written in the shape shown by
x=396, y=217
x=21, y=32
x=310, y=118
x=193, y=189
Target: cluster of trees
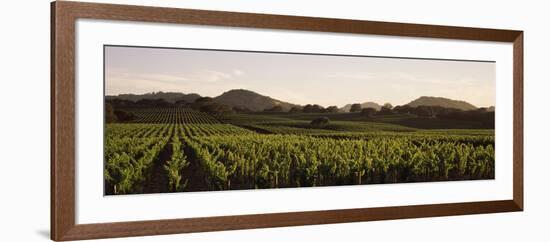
x=276, y=108
x=114, y=109
x=113, y=115
x=309, y=108
x=320, y=122
x=208, y=105
x=481, y=115
x=442, y=112
x=142, y=103
x=315, y=108
x=357, y=107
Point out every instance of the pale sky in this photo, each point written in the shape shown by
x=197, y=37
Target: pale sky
x=297, y=78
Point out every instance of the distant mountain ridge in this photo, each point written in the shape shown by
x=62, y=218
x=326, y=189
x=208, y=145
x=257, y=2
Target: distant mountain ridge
x=246, y=99
x=233, y=98
x=374, y=105
x=442, y=102
x=171, y=97
x=251, y=100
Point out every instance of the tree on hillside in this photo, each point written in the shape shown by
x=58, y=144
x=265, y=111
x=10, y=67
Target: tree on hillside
x=123, y=116
x=313, y=108
x=204, y=100
x=208, y=105
x=425, y=111
x=331, y=109
x=120, y=103
x=403, y=109
x=215, y=108
x=181, y=103
x=110, y=116
x=276, y=108
x=295, y=110
x=369, y=112
x=155, y=103
x=201, y=101
x=386, y=109
x=356, y=107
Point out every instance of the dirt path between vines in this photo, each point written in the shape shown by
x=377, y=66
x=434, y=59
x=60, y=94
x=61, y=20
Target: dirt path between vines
x=158, y=181
x=254, y=129
x=194, y=174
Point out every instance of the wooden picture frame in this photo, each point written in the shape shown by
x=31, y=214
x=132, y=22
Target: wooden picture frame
x=63, y=17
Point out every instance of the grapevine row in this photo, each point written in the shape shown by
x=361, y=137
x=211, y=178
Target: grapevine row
x=271, y=161
x=236, y=158
x=173, y=115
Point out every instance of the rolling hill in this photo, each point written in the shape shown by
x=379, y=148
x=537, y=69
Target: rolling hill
x=250, y=100
x=442, y=102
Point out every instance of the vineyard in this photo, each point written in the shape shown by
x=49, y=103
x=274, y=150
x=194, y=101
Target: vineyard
x=173, y=115
x=179, y=149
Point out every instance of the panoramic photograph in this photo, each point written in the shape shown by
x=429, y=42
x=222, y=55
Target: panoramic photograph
x=197, y=120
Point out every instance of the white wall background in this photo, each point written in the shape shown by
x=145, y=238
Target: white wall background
x=24, y=122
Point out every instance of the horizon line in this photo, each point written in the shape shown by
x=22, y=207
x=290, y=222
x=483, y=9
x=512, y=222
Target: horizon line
x=379, y=103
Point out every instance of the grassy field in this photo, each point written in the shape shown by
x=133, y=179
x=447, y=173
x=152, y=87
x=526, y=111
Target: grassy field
x=183, y=150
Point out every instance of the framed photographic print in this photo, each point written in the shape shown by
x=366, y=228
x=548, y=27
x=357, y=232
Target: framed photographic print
x=172, y=120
